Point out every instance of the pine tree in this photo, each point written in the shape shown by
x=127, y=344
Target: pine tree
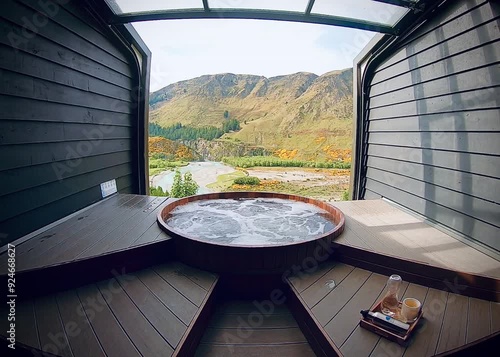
x=176, y=190
x=183, y=187
x=190, y=186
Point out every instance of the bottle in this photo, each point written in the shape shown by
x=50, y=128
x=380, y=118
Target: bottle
x=390, y=301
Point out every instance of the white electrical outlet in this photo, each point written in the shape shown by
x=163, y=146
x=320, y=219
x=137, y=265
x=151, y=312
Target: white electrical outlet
x=108, y=188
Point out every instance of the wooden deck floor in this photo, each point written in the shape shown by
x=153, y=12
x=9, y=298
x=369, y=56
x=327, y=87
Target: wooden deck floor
x=152, y=311
x=127, y=221
x=238, y=328
x=146, y=313
x=335, y=294
x=380, y=227
x=118, y=223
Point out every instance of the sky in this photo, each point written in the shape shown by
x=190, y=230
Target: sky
x=185, y=49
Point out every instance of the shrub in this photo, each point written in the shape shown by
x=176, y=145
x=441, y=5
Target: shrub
x=270, y=161
x=247, y=180
x=158, y=191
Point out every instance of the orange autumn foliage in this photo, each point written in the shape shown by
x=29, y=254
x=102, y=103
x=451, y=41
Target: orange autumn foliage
x=183, y=153
x=286, y=154
x=158, y=145
x=169, y=148
x=333, y=154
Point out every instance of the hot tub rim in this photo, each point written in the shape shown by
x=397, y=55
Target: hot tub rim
x=335, y=232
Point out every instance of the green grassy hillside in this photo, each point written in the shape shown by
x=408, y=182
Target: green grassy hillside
x=298, y=111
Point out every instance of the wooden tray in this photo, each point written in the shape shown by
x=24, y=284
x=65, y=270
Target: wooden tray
x=401, y=339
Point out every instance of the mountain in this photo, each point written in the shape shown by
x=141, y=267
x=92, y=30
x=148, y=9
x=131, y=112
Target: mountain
x=298, y=111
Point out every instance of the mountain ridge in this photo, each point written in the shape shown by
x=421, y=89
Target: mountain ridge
x=300, y=110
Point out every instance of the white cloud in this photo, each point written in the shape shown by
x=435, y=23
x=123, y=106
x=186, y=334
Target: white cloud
x=184, y=49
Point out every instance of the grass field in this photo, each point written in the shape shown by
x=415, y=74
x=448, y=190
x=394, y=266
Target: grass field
x=322, y=192
x=225, y=181
x=323, y=184
x=272, y=161
x=159, y=165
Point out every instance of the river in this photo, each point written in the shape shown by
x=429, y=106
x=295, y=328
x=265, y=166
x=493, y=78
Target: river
x=204, y=173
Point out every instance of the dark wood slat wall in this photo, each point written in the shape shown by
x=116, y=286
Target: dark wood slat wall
x=67, y=114
x=51, y=212
x=433, y=122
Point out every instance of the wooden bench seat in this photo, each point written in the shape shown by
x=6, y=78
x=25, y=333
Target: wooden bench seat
x=333, y=295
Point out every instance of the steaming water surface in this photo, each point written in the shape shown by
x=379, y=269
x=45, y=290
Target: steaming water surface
x=252, y=221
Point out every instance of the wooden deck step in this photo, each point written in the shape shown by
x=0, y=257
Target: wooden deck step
x=152, y=312
x=383, y=228
x=383, y=238
x=118, y=223
x=242, y=328
x=329, y=299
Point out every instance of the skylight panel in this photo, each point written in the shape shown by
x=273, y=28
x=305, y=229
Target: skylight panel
x=283, y=5
x=366, y=10
x=121, y=7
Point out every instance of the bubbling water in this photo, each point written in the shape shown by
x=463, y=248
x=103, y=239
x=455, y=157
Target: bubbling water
x=250, y=221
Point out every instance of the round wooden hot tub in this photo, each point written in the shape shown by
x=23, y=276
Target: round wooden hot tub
x=200, y=246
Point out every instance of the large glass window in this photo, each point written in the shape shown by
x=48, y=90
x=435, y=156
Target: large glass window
x=364, y=10
x=284, y=5
x=122, y=7
x=367, y=10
